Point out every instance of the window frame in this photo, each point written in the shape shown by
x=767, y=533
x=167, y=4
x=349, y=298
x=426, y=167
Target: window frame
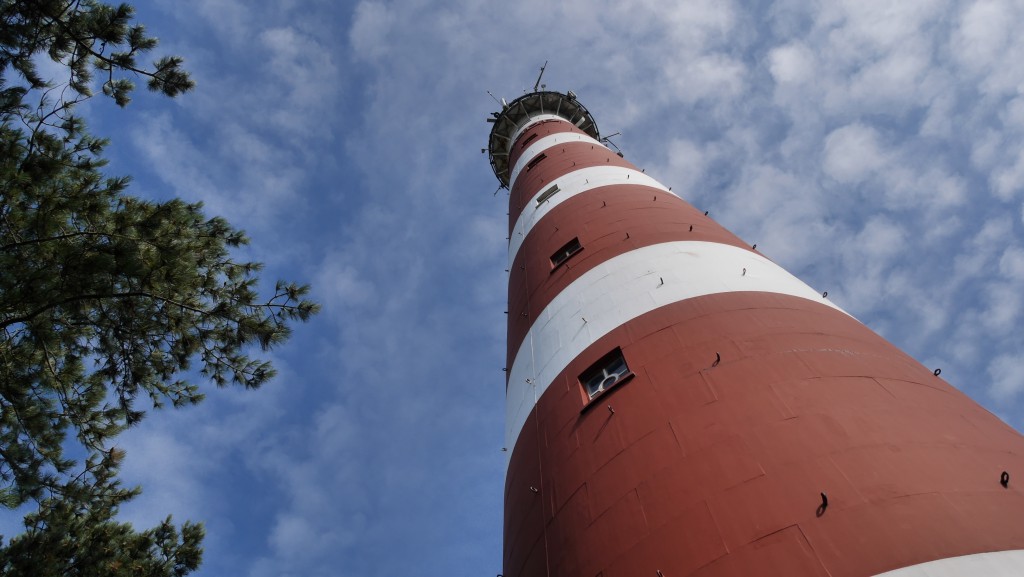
x=536, y=160
x=547, y=194
x=569, y=249
x=600, y=367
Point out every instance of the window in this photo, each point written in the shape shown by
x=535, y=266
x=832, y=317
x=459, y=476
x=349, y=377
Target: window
x=605, y=374
x=547, y=194
x=561, y=255
x=535, y=161
x=528, y=140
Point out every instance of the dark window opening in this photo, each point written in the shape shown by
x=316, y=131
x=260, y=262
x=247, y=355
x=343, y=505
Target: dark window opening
x=528, y=140
x=561, y=255
x=535, y=162
x=547, y=194
x=609, y=371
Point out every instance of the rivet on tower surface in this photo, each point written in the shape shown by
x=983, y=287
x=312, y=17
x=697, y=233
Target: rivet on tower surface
x=718, y=359
x=1004, y=480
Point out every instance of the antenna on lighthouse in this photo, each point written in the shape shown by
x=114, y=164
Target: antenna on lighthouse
x=608, y=140
x=539, y=76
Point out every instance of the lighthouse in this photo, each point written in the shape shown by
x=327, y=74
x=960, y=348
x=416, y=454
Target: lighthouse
x=677, y=404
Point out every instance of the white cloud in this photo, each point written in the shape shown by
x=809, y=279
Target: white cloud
x=881, y=240
x=1003, y=308
x=853, y=153
x=982, y=248
x=371, y=28
x=861, y=29
x=780, y=212
x=304, y=81
x=1008, y=180
x=921, y=188
x=171, y=473
x=986, y=148
x=687, y=163
x=1007, y=374
x=792, y=64
x=893, y=79
x=709, y=76
x=341, y=286
x=1013, y=113
x=1011, y=264
x=982, y=34
x=174, y=157
x=691, y=23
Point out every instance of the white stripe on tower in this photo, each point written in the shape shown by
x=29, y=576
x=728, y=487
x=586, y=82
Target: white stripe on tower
x=570, y=185
x=546, y=143
x=993, y=564
x=533, y=121
x=622, y=289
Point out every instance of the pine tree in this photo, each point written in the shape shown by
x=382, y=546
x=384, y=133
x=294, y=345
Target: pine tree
x=107, y=301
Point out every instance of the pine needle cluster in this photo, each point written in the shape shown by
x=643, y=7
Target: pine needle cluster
x=107, y=301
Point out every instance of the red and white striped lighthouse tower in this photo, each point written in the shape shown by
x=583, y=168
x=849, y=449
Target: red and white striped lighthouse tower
x=679, y=405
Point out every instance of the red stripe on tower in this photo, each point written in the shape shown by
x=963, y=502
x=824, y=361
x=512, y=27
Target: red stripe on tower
x=678, y=405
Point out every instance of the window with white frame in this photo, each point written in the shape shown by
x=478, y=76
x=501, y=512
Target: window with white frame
x=533, y=163
x=547, y=194
x=605, y=374
x=567, y=250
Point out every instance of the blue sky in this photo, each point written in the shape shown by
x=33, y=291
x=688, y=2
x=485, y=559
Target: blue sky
x=873, y=148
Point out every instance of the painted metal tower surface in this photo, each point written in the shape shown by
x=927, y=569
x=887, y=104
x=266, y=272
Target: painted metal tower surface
x=679, y=405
